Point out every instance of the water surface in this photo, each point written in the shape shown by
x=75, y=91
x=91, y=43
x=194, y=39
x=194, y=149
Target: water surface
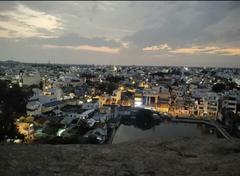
x=127, y=133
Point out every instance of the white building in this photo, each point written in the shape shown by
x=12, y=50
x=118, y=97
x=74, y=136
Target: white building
x=34, y=108
x=91, y=105
x=208, y=105
x=28, y=79
x=43, y=101
x=198, y=93
x=157, y=98
x=70, y=116
x=229, y=101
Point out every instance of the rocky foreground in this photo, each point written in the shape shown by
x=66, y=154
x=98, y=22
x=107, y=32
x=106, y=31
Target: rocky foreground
x=179, y=156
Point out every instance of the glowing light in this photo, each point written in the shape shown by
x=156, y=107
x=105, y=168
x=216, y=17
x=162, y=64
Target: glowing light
x=137, y=102
x=60, y=131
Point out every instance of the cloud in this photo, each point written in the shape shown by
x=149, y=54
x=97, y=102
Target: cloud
x=101, y=49
x=226, y=51
x=125, y=44
x=73, y=41
x=184, y=23
x=195, y=50
x=157, y=47
x=24, y=22
x=190, y=50
x=196, y=33
x=208, y=50
x=118, y=41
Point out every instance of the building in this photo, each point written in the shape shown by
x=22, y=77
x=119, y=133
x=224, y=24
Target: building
x=156, y=98
x=34, y=108
x=28, y=79
x=208, y=105
x=91, y=105
x=229, y=101
x=44, y=101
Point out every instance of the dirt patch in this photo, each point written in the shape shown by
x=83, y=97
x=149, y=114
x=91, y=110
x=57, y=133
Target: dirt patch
x=176, y=156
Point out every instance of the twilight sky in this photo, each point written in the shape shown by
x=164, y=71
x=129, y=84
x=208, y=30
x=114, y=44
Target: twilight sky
x=142, y=33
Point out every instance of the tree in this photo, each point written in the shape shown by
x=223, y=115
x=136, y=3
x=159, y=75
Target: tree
x=107, y=87
x=41, y=85
x=232, y=85
x=114, y=79
x=13, y=102
x=219, y=87
x=144, y=119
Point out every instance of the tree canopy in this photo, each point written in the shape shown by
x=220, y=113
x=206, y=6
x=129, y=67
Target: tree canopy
x=13, y=101
x=219, y=87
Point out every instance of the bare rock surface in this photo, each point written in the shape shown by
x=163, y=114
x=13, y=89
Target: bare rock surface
x=166, y=157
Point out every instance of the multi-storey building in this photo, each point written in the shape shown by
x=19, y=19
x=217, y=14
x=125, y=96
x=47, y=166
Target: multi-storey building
x=208, y=105
x=156, y=98
x=229, y=101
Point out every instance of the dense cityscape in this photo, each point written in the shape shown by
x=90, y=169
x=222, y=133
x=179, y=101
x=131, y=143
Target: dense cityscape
x=119, y=88
x=89, y=100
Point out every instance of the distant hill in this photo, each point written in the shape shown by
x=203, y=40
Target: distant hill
x=10, y=62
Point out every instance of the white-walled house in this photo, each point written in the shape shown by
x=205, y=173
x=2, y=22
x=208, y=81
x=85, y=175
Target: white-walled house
x=208, y=105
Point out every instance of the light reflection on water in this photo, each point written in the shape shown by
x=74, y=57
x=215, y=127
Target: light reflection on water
x=130, y=133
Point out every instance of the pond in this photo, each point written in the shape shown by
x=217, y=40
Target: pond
x=127, y=133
